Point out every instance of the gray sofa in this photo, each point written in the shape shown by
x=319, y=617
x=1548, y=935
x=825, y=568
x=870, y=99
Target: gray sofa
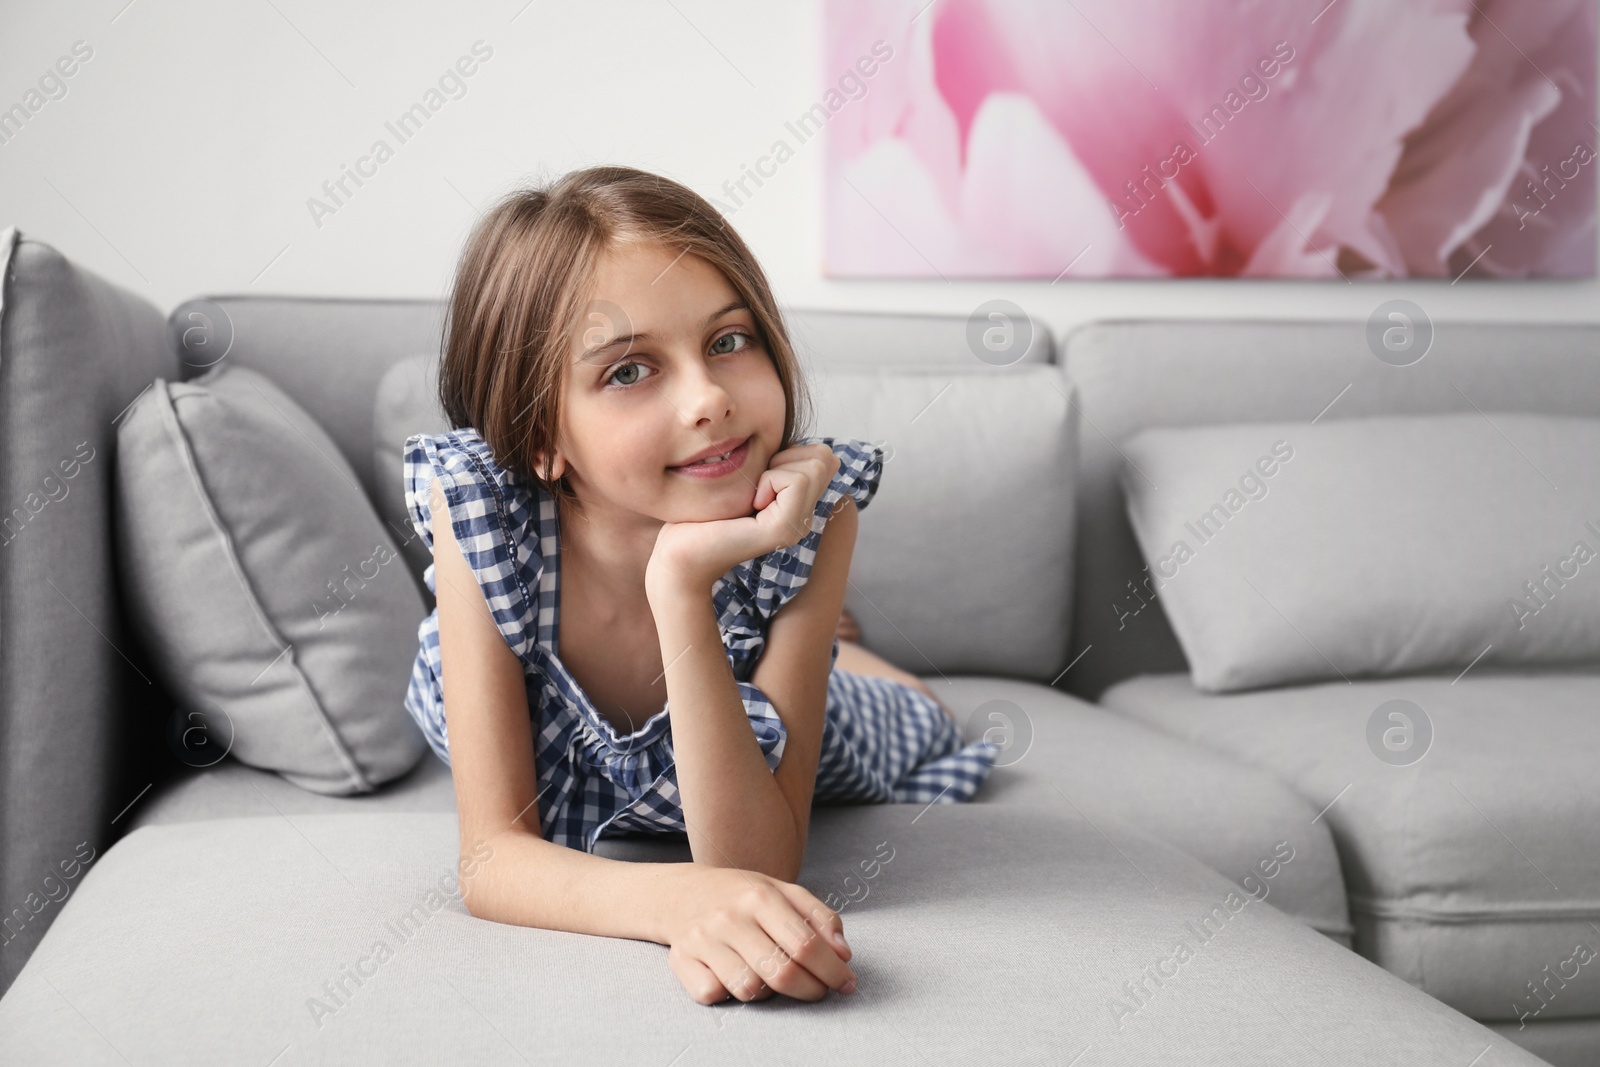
x=1475, y=872
x=1105, y=900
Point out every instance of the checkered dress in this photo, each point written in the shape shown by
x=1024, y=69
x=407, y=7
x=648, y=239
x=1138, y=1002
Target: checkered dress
x=882, y=741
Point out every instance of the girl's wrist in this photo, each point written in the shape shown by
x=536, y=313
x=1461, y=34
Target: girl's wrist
x=682, y=889
x=671, y=591
x=666, y=583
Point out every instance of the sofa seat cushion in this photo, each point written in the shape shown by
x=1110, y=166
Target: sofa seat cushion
x=1063, y=753
x=1560, y=1042
x=982, y=934
x=229, y=789
x=1059, y=753
x=1471, y=858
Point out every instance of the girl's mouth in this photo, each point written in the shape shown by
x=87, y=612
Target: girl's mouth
x=716, y=467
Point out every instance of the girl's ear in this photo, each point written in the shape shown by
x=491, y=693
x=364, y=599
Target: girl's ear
x=546, y=470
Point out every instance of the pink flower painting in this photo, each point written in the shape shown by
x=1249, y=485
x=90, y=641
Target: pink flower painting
x=1234, y=138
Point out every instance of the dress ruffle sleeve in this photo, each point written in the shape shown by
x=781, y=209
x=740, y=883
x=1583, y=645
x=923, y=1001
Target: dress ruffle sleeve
x=495, y=521
x=749, y=595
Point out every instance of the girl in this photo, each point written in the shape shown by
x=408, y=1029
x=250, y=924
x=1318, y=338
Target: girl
x=639, y=587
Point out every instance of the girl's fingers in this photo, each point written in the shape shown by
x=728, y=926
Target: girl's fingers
x=816, y=952
x=795, y=453
x=816, y=463
x=775, y=949
x=737, y=976
x=772, y=480
x=776, y=965
x=806, y=471
x=819, y=917
x=700, y=981
x=765, y=492
x=783, y=513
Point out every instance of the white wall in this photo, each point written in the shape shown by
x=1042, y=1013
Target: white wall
x=180, y=160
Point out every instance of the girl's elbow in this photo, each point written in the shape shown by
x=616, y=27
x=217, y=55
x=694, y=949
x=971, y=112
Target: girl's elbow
x=787, y=866
x=489, y=852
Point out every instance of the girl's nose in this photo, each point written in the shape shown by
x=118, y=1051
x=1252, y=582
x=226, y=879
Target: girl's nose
x=699, y=396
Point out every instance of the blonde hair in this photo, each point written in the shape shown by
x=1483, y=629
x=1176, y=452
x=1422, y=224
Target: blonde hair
x=521, y=286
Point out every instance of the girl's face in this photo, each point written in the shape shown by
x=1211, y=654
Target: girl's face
x=665, y=367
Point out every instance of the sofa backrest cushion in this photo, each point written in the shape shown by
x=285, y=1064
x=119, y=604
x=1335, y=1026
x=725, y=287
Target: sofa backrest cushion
x=994, y=333
x=331, y=355
x=963, y=561
x=1131, y=375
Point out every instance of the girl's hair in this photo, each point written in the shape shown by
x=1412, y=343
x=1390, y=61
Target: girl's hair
x=522, y=285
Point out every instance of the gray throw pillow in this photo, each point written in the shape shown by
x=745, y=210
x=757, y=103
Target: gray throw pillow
x=269, y=595
x=1293, y=552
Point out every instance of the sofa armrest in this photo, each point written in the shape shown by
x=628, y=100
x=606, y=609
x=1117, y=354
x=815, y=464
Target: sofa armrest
x=74, y=352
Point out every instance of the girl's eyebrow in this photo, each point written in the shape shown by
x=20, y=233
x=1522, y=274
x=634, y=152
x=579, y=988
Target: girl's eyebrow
x=629, y=338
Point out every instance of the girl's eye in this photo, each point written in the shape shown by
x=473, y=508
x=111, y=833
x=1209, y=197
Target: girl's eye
x=627, y=374
x=728, y=337
x=618, y=376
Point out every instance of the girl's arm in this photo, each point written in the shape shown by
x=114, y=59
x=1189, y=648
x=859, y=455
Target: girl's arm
x=509, y=872
x=797, y=659
x=738, y=812
x=732, y=932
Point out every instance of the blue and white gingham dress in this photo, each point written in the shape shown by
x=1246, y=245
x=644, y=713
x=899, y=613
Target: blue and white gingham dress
x=882, y=741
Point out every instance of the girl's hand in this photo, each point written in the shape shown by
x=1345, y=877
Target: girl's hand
x=747, y=935
x=698, y=553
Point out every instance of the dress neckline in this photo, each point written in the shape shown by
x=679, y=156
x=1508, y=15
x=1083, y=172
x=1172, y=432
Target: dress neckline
x=549, y=600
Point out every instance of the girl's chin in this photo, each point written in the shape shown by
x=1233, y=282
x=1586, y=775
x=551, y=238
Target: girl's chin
x=716, y=514
x=711, y=503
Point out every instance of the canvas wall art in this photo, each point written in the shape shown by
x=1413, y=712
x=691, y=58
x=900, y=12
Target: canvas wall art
x=1357, y=139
